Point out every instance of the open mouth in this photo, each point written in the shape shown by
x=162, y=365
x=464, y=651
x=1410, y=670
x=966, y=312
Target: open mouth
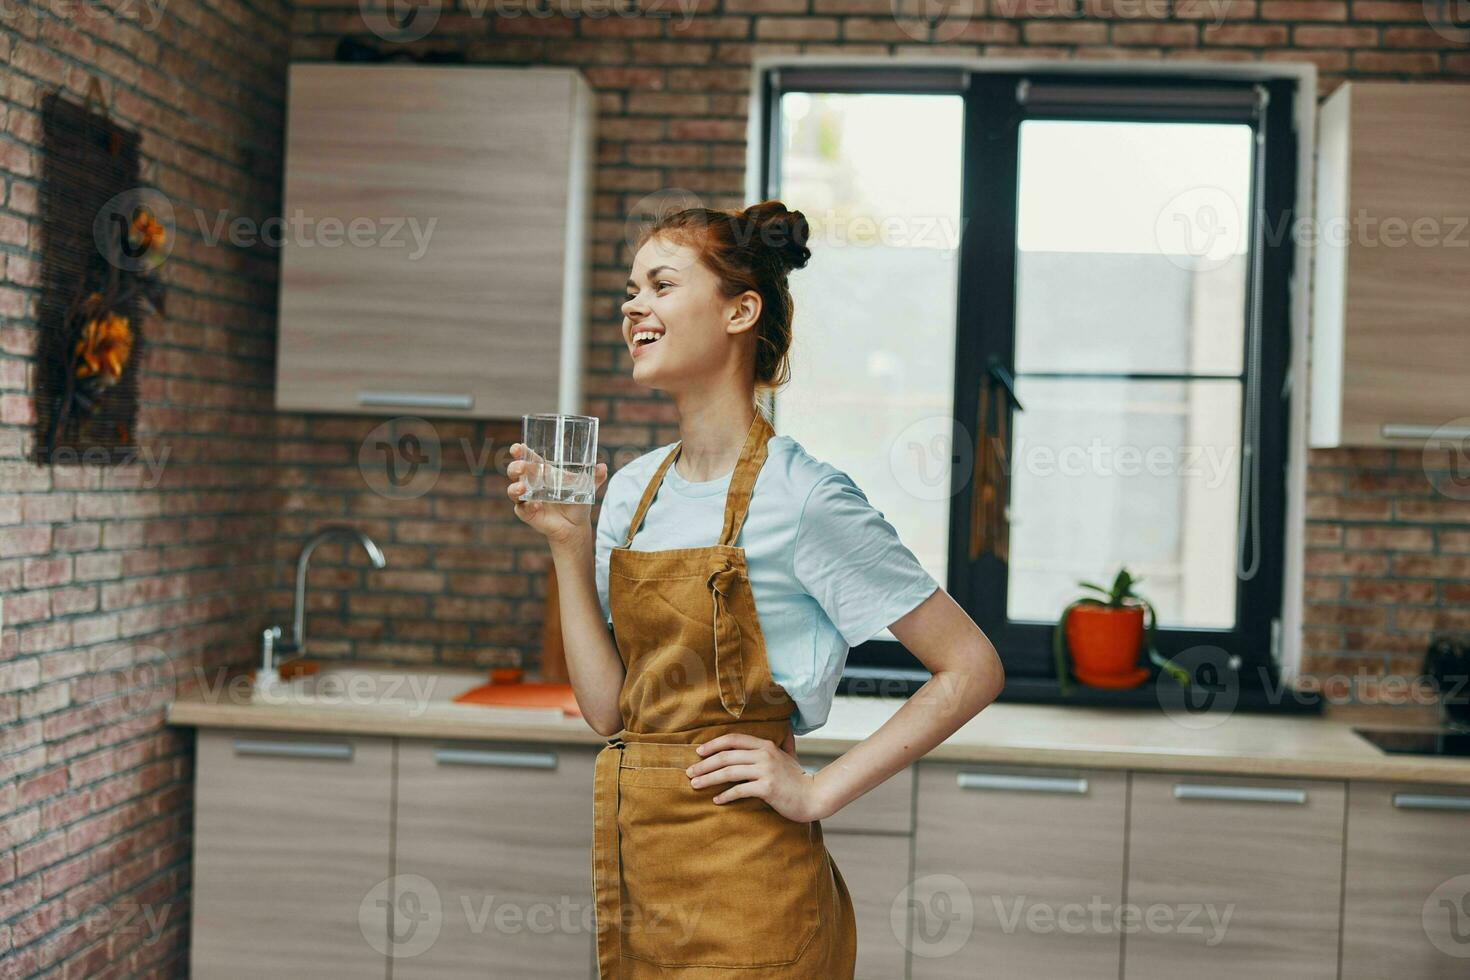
x=643, y=342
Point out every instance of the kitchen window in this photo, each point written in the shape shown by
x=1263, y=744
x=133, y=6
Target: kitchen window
x=1109, y=246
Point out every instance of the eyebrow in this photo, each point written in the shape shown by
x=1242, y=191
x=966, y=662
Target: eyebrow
x=654, y=271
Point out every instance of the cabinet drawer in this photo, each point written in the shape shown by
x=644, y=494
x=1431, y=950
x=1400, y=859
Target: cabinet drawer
x=498, y=837
x=1407, y=882
x=1242, y=877
x=1007, y=861
x=886, y=808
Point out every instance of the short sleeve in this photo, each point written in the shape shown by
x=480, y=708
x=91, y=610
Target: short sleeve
x=851, y=561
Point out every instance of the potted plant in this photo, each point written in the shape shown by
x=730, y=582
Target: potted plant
x=1448, y=662
x=1104, y=634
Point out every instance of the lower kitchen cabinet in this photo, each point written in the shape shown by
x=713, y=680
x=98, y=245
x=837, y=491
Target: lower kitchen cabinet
x=875, y=868
x=1233, y=877
x=1406, y=893
x=1016, y=872
x=497, y=839
x=292, y=840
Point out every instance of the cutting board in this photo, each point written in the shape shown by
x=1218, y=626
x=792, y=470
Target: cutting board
x=523, y=694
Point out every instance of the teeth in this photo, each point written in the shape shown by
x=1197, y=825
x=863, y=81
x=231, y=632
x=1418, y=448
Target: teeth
x=640, y=335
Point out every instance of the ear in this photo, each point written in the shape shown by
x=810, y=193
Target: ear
x=745, y=312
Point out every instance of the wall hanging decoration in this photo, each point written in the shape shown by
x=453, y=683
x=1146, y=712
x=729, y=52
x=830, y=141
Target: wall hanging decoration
x=103, y=238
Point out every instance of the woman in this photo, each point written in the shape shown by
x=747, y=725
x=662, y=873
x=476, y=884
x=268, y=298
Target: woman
x=758, y=567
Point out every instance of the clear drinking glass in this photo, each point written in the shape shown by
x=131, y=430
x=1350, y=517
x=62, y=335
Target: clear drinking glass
x=561, y=458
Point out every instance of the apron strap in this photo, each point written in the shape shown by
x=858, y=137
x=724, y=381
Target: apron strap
x=742, y=481
x=649, y=491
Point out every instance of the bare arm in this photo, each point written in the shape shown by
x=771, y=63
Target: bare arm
x=593, y=664
x=967, y=676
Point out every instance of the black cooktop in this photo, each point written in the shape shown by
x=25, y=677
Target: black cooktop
x=1424, y=741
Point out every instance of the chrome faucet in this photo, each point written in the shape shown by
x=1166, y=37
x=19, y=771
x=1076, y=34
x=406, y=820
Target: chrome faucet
x=297, y=643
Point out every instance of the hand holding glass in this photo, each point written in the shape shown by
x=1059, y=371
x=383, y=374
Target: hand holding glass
x=561, y=458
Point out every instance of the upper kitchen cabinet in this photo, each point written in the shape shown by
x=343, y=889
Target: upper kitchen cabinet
x=435, y=255
x=1391, y=304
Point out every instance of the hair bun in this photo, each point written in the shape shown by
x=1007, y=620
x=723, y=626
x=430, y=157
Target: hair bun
x=782, y=232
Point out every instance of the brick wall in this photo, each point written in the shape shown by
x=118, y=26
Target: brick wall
x=107, y=574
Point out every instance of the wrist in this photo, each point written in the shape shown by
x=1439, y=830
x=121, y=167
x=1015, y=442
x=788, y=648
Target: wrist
x=822, y=802
x=573, y=545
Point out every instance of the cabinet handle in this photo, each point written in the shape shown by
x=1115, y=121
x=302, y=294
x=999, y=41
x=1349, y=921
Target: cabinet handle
x=1428, y=801
x=1242, y=794
x=1392, y=430
x=495, y=757
x=414, y=399
x=298, y=750
x=1021, y=784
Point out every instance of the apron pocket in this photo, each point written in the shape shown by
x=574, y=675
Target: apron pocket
x=713, y=884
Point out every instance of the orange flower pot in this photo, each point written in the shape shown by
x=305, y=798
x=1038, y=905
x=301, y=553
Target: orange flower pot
x=1104, y=643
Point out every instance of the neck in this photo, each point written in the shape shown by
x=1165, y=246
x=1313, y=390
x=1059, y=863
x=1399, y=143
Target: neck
x=711, y=436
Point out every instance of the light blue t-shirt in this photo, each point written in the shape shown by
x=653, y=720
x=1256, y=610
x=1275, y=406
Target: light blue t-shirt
x=826, y=569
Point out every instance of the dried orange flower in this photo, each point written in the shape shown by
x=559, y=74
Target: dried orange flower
x=145, y=233
x=104, y=347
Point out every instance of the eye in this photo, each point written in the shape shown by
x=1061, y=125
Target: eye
x=662, y=284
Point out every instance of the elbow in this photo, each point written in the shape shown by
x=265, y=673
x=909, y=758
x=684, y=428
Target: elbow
x=990, y=675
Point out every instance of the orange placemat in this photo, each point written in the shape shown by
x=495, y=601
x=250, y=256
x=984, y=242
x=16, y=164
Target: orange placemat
x=528, y=694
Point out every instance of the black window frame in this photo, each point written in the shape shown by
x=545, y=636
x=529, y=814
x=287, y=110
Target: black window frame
x=985, y=326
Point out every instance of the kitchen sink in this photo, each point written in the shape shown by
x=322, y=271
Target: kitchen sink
x=1417, y=741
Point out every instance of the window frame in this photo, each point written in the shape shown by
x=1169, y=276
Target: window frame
x=985, y=325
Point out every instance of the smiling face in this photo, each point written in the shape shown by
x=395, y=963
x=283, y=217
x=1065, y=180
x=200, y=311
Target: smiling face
x=673, y=295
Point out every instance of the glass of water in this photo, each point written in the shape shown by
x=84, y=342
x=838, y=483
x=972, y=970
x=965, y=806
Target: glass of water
x=561, y=458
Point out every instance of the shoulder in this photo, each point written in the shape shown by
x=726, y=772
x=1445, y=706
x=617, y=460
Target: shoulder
x=797, y=471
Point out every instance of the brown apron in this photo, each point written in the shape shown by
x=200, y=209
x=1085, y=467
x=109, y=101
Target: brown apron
x=685, y=887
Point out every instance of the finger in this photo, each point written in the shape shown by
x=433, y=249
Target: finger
x=755, y=787
x=725, y=758
x=729, y=740
x=729, y=774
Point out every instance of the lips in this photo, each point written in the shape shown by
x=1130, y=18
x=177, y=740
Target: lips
x=639, y=346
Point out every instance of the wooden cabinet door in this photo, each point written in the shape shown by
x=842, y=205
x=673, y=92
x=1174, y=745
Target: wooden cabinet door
x=497, y=837
x=291, y=844
x=1008, y=864
x=875, y=868
x=1233, y=877
x=1406, y=894
x=434, y=259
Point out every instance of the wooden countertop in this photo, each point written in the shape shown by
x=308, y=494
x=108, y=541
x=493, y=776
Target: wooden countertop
x=418, y=703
